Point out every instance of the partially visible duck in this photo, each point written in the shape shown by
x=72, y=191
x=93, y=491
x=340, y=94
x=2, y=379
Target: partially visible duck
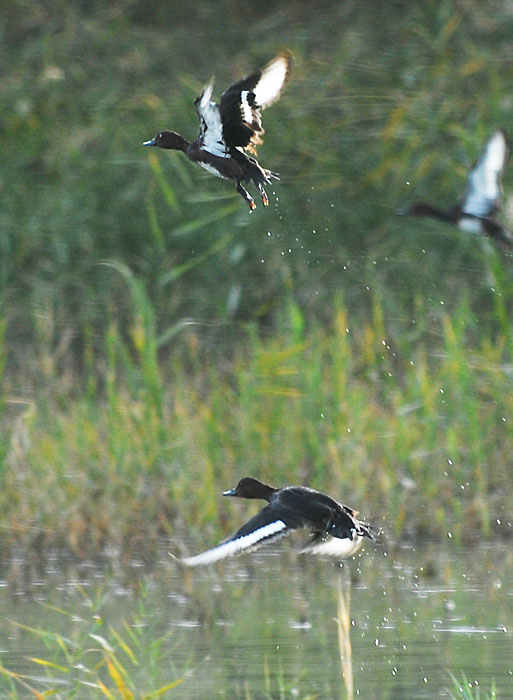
x=335, y=528
x=482, y=199
x=234, y=125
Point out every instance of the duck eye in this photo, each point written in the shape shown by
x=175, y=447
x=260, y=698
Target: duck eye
x=160, y=135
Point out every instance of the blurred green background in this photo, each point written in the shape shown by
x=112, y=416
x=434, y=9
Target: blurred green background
x=159, y=341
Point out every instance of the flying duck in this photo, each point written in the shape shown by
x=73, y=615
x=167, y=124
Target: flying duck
x=482, y=199
x=336, y=531
x=233, y=126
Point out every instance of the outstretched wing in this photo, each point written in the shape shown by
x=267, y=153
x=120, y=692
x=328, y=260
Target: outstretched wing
x=211, y=129
x=241, y=103
x=484, y=190
x=263, y=528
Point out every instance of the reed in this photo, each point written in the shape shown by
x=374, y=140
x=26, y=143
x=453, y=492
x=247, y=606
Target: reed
x=417, y=439
x=354, y=126
x=344, y=633
x=465, y=690
x=339, y=346
x=93, y=657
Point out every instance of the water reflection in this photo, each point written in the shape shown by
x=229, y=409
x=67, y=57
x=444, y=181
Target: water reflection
x=344, y=634
x=272, y=625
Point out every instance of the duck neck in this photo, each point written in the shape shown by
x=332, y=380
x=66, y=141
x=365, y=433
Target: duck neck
x=172, y=140
x=266, y=492
x=256, y=489
x=180, y=144
x=424, y=209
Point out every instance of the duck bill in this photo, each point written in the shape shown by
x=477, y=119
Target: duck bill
x=231, y=492
x=151, y=142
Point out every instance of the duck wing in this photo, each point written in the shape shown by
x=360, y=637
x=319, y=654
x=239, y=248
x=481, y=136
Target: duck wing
x=242, y=103
x=318, y=510
x=484, y=189
x=265, y=527
x=210, y=136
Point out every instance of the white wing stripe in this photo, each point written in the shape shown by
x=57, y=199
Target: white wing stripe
x=268, y=88
x=228, y=549
x=212, y=134
x=211, y=128
x=247, y=113
x=206, y=95
x=484, y=187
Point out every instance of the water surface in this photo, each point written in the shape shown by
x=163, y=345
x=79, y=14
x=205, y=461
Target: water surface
x=271, y=625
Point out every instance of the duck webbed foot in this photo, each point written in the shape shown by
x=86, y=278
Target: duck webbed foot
x=244, y=193
x=263, y=195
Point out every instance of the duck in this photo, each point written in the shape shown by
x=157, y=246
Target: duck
x=482, y=199
x=233, y=128
x=336, y=530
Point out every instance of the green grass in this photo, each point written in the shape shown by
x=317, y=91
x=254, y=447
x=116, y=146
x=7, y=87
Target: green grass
x=463, y=690
x=418, y=439
x=376, y=100
x=156, y=337
x=89, y=655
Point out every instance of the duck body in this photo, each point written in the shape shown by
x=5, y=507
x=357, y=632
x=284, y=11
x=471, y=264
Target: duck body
x=336, y=530
x=232, y=127
x=482, y=200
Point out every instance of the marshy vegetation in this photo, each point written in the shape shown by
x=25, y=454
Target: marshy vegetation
x=418, y=440
x=157, y=337
x=158, y=343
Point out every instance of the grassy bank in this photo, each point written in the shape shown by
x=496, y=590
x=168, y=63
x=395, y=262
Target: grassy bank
x=418, y=436
x=158, y=342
